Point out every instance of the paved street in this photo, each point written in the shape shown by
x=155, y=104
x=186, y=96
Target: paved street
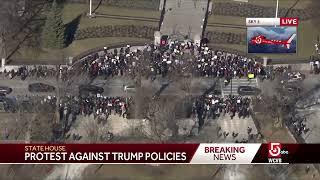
x=20, y=88
x=112, y=87
x=184, y=18
x=198, y=86
x=232, y=87
x=237, y=125
x=312, y=114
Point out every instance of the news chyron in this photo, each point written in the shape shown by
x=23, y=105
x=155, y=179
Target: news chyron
x=272, y=35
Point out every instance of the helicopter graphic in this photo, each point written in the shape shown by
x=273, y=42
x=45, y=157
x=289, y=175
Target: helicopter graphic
x=261, y=39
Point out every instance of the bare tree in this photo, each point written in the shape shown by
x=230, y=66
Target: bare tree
x=141, y=102
x=22, y=120
x=9, y=23
x=281, y=104
x=162, y=117
x=92, y=131
x=20, y=23
x=42, y=127
x=185, y=85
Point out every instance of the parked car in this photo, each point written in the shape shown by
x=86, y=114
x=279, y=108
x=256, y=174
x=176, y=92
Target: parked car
x=87, y=89
x=292, y=89
x=248, y=91
x=41, y=87
x=5, y=90
x=295, y=76
x=8, y=104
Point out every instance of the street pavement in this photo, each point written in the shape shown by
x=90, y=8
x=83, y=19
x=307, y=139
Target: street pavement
x=20, y=88
x=197, y=86
x=184, y=18
x=312, y=114
x=112, y=87
x=232, y=87
x=209, y=133
x=115, y=87
x=237, y=125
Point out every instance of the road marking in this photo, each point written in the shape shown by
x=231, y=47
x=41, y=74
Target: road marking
x=227, y=90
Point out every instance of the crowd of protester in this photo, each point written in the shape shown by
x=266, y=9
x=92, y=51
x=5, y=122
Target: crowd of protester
x=111, y=64
x=249, y=137
x=100, y=107
x=151, y=60
x=177, y=57
x=95, y=105
x=40, y=71
x=221, y=64
x=212, y=107
x=298, y=124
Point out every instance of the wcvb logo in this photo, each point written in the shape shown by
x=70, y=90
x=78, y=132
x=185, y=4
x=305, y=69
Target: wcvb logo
x=274, y=150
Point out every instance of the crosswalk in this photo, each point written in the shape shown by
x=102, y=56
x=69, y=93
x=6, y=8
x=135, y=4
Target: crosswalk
x=232, y=87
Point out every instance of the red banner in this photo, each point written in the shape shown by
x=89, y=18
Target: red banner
x=228, y=153
x=97, y=153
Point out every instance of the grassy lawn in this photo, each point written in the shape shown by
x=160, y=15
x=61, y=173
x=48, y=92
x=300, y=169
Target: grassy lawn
x=101, y=21
x=282, y=3
x=72, y=11
x=227, y=20
x=83, y=45
x=42, y=56
x=226, y=29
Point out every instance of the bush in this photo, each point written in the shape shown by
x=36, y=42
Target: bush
x=225, y=38
x=116, y=31
x=250, y=10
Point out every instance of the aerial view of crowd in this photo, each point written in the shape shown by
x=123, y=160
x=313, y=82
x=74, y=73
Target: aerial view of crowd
x=72, y=106
x=212, y=107
x=96, y=105
x=39, y=71
x=151, y=60
x=177, y=57
x=298, y=124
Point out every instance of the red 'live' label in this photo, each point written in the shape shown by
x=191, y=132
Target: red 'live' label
x=288, y=21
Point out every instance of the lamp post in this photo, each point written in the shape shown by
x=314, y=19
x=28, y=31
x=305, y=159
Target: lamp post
x=277, y=8
x=231, y=85
x=90, y=8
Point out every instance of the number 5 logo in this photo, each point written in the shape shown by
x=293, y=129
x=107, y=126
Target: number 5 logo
x=258, y=40
x=274, y=150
